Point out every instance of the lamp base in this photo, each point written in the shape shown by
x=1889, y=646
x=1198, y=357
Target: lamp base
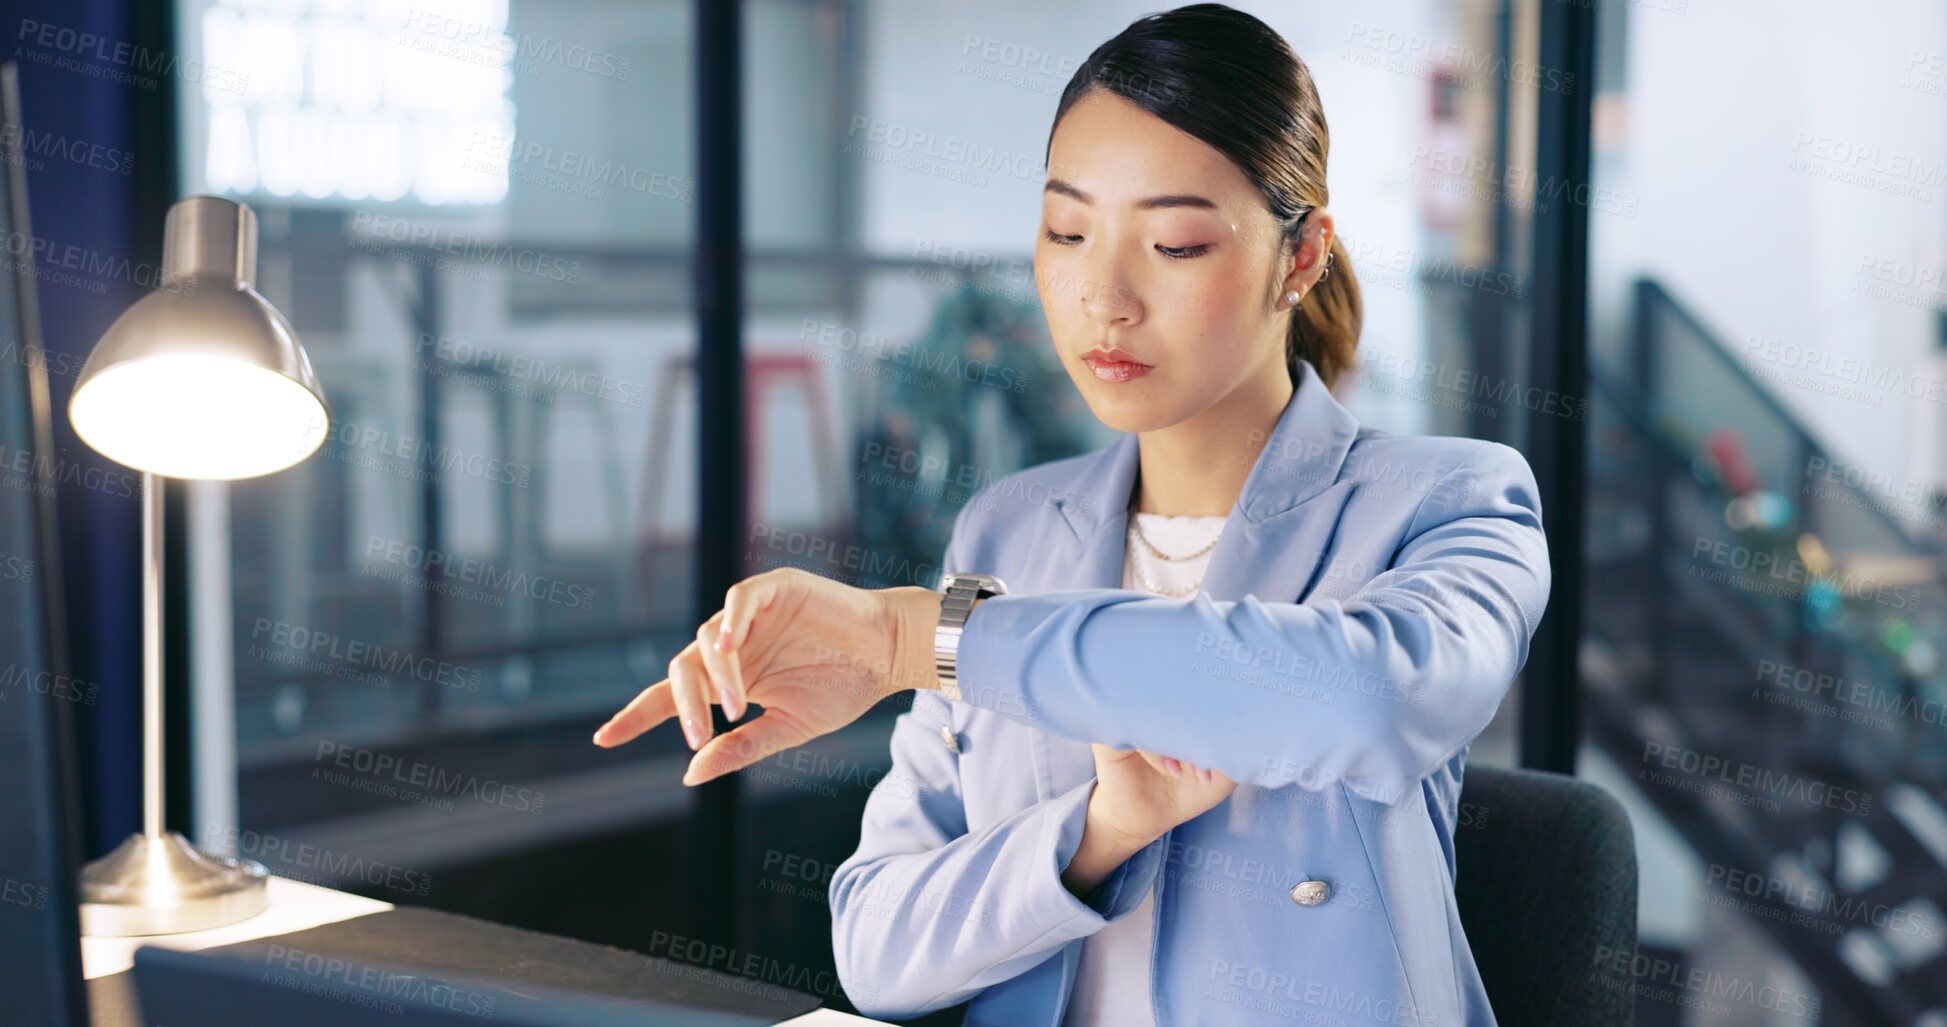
x=165, y=885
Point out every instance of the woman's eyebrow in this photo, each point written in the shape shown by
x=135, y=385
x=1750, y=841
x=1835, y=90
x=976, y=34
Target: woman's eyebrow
x=1056, y=185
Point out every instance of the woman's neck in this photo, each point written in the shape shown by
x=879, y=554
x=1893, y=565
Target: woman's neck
x=1197, y=466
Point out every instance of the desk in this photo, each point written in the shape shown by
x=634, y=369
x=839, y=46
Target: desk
x=294, y=906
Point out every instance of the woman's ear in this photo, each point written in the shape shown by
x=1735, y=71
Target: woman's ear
x=1306, y=265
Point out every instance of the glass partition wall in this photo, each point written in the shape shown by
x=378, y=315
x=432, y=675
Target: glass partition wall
x=479, y=218
x=1764, y=597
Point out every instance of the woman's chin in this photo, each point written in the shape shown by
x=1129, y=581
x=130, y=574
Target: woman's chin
x=1123, y=412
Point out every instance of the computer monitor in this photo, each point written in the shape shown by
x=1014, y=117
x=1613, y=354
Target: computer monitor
x=40, y=926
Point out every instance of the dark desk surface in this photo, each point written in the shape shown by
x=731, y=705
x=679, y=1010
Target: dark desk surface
x=111, y=1001
x=423, y=966
x=518, y=972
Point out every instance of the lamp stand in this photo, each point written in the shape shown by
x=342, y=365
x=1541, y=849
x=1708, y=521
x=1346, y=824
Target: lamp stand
x=157, y=882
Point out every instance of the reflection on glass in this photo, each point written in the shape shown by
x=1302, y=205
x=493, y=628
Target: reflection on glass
x=478, y=216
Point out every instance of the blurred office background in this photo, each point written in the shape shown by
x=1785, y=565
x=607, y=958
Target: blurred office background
x=482, y=218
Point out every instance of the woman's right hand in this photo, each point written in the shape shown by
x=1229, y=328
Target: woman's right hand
x=1140, y=795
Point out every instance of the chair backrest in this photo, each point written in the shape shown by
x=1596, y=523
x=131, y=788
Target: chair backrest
x=1545, y=874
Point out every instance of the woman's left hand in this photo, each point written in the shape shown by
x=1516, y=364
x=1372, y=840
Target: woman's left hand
x=1140, y=795
x=815, y=653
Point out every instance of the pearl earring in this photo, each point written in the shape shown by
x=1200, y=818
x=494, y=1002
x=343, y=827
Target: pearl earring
x=1292, y=298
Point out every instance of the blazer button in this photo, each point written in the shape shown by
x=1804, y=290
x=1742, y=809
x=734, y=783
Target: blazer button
x=1310, y=893
x=946, y=735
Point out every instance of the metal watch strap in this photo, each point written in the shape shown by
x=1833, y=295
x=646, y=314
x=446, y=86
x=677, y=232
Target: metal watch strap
x=962, y=590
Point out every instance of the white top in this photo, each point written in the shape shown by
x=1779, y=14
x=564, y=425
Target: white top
x=1112, y=982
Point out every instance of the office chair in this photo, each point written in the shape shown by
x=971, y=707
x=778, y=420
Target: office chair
x=1546, y=879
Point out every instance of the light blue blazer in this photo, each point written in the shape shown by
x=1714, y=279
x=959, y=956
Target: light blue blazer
x=1365, y=609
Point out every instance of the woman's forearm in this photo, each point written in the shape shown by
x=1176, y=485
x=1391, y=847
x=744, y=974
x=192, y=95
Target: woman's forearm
x=1101, y=851
x=1371, y=691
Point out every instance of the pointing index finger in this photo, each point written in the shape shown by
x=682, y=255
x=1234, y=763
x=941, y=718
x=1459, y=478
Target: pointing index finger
x=645, y=711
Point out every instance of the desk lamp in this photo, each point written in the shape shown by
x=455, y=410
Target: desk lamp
x=202, y=378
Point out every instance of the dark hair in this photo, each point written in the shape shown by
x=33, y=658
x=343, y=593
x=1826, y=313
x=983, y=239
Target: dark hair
x=1225, y=78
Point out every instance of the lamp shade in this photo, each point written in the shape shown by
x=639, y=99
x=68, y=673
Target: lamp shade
x=202, y=378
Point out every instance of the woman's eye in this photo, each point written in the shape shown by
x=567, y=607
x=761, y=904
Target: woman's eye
x=1172, y=252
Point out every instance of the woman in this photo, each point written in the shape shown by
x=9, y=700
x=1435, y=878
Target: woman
x=1204, y=757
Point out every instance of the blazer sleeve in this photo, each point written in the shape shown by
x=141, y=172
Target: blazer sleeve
x=1415, y=662
x=927, y=913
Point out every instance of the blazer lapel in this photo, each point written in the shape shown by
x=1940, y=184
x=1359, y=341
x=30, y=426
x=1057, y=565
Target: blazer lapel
x=1096, y=512
x=1273, y=544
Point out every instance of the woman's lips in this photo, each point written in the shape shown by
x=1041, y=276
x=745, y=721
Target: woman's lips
x=1116, y=370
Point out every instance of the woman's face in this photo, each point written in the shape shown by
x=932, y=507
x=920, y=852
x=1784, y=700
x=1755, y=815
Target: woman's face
x=1155, y=245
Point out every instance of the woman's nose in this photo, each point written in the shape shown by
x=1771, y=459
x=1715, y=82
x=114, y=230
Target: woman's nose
x=1106, y=293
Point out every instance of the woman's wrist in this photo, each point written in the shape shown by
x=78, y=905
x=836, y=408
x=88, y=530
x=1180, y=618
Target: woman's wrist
x=1103, y=848
x=918, y=621
x=916, y=616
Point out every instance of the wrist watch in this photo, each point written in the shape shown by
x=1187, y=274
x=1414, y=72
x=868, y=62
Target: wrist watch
x=961, y=592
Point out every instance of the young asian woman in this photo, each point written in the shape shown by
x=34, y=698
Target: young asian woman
x=1235, y=806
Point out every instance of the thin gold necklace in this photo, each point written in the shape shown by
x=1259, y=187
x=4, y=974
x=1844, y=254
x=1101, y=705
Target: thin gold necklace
x=1136, y=531
x=1137, y=527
